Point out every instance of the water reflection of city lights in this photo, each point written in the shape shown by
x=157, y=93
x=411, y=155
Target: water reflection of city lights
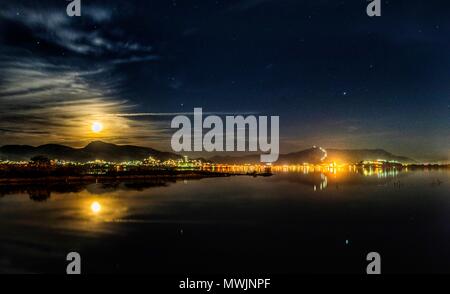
x=323, y=183
x=381, y=173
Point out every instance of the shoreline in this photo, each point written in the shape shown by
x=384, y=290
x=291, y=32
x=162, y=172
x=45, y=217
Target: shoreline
x=107, y=178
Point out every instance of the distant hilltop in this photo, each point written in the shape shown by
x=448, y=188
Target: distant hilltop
x=93, y=151
x=318, y=155
x=119, y=153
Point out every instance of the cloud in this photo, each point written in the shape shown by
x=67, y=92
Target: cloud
x=46, y=97
x=137, y=114
x=42, y=102
x=87, y=37
x=97, y=13
x=132, y=59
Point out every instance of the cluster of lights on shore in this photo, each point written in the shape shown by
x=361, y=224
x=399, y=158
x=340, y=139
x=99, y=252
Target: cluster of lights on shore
x=101, y=167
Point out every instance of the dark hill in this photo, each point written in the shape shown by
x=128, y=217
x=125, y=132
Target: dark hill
x=314, y=155
x=118, y=153
x=94, y=150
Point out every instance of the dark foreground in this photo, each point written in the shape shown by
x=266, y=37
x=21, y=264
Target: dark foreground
x=288, y=223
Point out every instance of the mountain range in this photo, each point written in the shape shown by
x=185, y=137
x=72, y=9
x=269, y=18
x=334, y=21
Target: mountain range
x=119, y=153
x=94, y=150
x=315, y=155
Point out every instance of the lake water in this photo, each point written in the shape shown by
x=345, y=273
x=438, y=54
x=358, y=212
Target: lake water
x=288, y=223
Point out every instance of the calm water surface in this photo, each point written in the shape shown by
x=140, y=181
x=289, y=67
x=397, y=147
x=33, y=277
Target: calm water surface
x=288, y=223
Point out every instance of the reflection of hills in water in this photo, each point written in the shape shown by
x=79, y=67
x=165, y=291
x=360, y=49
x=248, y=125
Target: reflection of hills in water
x=316, y=180
x=41, y=192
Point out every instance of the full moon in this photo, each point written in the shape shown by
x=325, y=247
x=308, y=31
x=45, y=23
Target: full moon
x=96, y=207
x=97, y=127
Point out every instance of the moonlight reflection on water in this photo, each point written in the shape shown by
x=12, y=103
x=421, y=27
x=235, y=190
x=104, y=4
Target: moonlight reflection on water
x=291, y=222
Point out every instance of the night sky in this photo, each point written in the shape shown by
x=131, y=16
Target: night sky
x=336, y=77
